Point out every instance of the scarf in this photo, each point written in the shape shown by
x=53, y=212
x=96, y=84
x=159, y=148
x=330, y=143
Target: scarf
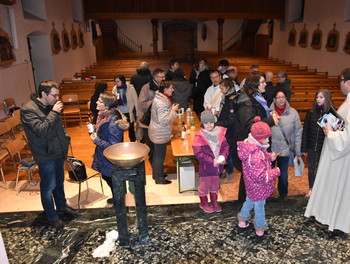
x=280, y=111
x=122, y=94
x=169, y=97
x=252, y=140
x=213, y=139
x=103, y=117
x=263, y=102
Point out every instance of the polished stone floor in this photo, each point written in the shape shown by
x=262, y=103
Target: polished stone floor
x=178, y=234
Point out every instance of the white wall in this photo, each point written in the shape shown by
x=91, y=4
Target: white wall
x=17, y=80
x=140, y=31
x=327, y=13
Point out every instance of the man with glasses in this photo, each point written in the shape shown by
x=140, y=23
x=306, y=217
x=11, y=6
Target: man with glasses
x=284, y=83
x=48, y=142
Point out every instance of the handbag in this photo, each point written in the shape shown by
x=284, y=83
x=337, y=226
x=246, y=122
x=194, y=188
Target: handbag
x=298, y=166
x=79, y=169
x=146, y=119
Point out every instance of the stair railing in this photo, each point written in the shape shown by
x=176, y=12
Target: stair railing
x=233, y=40
x=129, y=43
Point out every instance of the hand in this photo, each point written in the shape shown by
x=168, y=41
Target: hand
x=326, y=129
x=175, y=107
x=305, y=154
x=221, y=160
x=57, y=107
x=274, y=155
x=276, y=118
x=93, y=136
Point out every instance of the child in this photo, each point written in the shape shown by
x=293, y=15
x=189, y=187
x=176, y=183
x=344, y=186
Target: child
x=211, y=149
x=258, y=176
x=313, y=136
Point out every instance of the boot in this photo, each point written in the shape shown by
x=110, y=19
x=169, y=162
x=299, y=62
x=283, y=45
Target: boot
x=204, y=205
x=214, y=202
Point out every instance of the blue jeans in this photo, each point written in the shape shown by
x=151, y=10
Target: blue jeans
x=259, y=212
x=51, y=187
x=282, y=163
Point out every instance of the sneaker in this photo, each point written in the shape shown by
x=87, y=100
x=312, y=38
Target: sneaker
x=57, y=223
x=259, y=236
x=320, y=225
x=243, y=226
x=309, y=193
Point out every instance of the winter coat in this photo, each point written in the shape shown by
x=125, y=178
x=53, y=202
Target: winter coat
x=246, y=108
x=162, y=118
x=269, y=91
x=48, y=140
x=205, y=155
x=285, y=86
x=146, y=97
x=313, y=136
x=290, y=123
x=227, y=116
x=138, y=80
x=132, y=100
x=109, y=133
x=182, y=92
x=257, y=172
x=200, y=85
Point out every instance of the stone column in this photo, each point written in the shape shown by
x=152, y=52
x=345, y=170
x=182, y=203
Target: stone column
x=155, y=37
x=220, y=35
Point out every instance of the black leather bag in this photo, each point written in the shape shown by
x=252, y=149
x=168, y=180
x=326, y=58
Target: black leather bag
x=79, y=173
x=146, y=119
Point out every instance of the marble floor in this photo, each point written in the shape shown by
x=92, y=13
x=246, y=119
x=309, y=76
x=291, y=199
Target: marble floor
x=179, y=231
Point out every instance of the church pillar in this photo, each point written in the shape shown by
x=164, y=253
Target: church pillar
x=155, y=37
x=220, y=34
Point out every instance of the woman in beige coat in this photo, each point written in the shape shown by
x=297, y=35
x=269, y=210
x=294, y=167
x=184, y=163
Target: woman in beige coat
x=162, y=117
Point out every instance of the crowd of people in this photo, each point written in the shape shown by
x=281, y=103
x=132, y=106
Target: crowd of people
x=247, y=125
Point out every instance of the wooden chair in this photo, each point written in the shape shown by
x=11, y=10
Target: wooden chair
x=69, y=166
x=14, y=149
x=5, y=132
x=71, y=107
x=10, y=106
x=4, y=155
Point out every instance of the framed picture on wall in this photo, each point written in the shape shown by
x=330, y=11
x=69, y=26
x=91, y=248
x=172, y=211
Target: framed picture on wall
x=316, y=41
x=65, y=39
x=303, y=37
x=332, y=39
x=81, y=41
x=292, y=36
x=347, y=43
x=7, y=57
x=55, y=40
x=74, y=37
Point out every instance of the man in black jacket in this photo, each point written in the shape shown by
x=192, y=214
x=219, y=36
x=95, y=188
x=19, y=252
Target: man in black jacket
x=48, y=142
x=142, y=76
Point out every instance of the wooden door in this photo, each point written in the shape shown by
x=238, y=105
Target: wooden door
x=178, y=40
x=262, y=46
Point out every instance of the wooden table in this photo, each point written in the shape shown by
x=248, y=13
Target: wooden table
x=182, y=148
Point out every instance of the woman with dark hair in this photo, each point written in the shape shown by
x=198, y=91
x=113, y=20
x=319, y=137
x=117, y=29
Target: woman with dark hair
x=182, y=88
x=163, y=114
x=286, y=138
x=110, y=126
x=247, y=105
x=100, y=87
x=313, y=136
x=127, y=102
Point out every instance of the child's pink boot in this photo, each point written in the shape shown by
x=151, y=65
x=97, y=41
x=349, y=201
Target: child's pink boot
x=205, y=206
x=214, y=202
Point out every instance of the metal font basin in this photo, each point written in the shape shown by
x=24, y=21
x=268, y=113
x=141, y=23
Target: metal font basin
x=126, y=154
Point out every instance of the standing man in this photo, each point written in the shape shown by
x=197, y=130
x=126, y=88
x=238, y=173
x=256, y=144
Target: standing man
x=212, y=97
x=329, y=201
x=231, y=74
x=142, y=76
x=269, y=88
x=48, y=142
x=223, y=64
x=148, y=92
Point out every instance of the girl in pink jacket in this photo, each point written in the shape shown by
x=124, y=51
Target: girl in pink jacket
x=258, y=176
x=211, y=149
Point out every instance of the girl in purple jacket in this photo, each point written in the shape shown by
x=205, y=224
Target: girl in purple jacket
x=258, y=176
x=211, y=149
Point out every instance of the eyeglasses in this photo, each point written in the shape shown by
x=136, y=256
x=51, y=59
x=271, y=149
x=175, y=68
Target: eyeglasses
x=54, y=95
x=343, y=80
x=280, y=97
x=263, y=82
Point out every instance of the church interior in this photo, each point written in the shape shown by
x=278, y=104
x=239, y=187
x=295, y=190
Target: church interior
x=80, y=42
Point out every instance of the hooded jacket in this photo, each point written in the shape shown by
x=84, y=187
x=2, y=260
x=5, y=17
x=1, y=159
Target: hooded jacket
x=162, y=118
x=138, y=80
x=205, y=155
x=257, y=172
x=109, y=133
x=47, y=138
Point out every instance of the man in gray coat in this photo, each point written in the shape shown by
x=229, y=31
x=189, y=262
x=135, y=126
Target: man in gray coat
x=48, y=142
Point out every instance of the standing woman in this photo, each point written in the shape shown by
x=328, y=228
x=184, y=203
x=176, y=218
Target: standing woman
x=313, y=136
x=286, y=137
x=110, y=126
x=127, y=102
x=159, y=131
x=247, y=105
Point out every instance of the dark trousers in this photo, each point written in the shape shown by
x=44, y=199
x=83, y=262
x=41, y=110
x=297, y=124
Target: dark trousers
x=158, y=161
x=149, y=143
x=131, y=128
x=313, y=158
x=108, y=181
x=51, y=188
x=282, y=164
x=238, y=165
